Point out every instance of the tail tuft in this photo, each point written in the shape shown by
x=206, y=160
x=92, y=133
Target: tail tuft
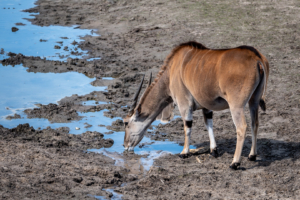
x=262, y=104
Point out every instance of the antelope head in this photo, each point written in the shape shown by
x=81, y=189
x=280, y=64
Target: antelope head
x=135, y=124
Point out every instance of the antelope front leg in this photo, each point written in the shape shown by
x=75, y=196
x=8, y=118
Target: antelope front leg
x=187, y=135
x=188, y=121
x=208, y=115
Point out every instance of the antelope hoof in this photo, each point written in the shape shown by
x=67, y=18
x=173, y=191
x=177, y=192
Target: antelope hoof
x=235, y=166
x=252, y=158
x=183, y=156
x=214, y=152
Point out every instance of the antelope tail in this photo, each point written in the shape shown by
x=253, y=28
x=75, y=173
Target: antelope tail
x=262, y=102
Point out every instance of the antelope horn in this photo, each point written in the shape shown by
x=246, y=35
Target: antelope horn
x=150, y=80
x=136, y=95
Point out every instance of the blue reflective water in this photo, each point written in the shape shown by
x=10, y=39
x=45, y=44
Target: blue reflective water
x=20, y=89
x=107, y=78
x=93, y=103
x=151, y=147
x=116, y=196
x=27, y=39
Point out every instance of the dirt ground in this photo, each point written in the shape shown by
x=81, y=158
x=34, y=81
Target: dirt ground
x=134, y=38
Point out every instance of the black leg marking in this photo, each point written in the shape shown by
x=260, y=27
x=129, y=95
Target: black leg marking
x=252, y=158
x=189, y=124
x=215, y=152
x=207, y=113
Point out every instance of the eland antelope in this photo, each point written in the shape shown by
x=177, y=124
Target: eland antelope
x=195, y=77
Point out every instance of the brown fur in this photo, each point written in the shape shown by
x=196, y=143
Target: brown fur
x=167, y=62
x=195, y=45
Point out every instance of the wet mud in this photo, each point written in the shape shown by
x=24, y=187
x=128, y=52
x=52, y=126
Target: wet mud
x=134, y=38
x=43, y=164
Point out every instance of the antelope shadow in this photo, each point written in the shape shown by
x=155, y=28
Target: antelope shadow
x=269, y=150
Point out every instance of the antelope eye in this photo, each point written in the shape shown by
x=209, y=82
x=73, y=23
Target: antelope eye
x=125, y=124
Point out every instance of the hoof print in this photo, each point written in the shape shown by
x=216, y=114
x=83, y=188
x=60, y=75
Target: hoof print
x=235, y=166
x=214, y=152
x=252, y=158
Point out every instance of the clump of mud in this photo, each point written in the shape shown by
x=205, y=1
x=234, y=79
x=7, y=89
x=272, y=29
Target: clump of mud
x=14, y=29
x=13, y=59
x=53, y=112
x=59, y=137
x=117, y=126
x=15, y=116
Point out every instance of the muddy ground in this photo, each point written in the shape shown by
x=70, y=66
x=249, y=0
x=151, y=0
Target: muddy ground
x=135, y=37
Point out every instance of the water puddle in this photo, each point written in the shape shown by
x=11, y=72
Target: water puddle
x=116, y=196
x=20, y=89
x=52, y=42
x=93, y=103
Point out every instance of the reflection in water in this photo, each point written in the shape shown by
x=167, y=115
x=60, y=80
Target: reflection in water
x=148, y=161
x=32, y=40
x=21, y=90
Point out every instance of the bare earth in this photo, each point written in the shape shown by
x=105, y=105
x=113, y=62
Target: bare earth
x=135, y=37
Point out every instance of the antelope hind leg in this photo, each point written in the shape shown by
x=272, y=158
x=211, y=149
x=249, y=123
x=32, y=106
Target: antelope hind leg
x=253, y=107
x=239, y=120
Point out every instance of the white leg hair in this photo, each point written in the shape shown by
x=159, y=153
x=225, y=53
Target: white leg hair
x=189, y=115
x=209, y=127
